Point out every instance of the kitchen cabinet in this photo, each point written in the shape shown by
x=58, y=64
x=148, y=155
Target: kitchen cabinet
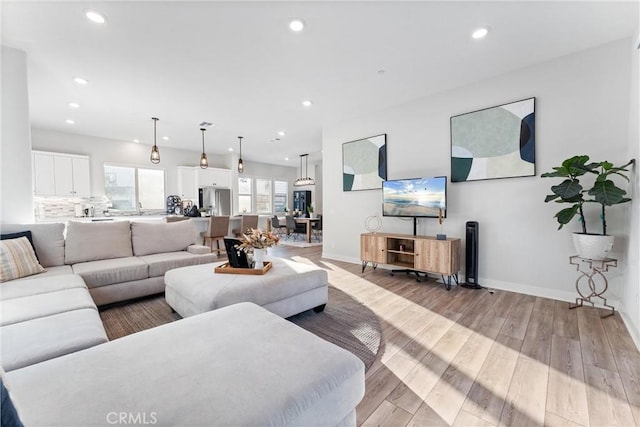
x=57, y=174
x=43, y=174
x=187, y=187
x=213, y=177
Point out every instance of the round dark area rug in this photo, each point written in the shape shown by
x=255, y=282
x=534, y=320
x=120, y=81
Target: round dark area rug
x=345, y=322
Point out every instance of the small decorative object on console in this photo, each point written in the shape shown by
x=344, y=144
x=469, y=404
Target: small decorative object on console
x=441, y=236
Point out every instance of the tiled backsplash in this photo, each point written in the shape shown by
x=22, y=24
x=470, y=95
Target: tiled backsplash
x=65, y=207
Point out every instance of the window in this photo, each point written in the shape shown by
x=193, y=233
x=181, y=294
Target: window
x=281, y=189
x=244, y=194
x=129, y=188
x=263, y=196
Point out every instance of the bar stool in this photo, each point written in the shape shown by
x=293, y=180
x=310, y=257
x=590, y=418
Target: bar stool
x=218, y=229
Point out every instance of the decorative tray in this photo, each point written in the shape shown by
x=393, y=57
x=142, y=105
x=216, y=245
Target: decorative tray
x=226, y=269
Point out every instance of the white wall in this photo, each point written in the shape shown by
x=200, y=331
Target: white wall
x=631, y=284
x=582, y=107
x=15, y=151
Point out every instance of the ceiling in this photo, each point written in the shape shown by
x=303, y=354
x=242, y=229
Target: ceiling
x=237, y=64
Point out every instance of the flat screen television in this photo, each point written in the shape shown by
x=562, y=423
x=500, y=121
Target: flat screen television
x=417, y=197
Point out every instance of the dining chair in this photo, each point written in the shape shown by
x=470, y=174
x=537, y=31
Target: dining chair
x=218, y=229
x=293, y=228
x=247, y=222
x=316, y=228
x=276, y=227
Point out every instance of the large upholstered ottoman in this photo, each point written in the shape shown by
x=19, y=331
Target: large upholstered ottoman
x=288, y=288
x=237, y=366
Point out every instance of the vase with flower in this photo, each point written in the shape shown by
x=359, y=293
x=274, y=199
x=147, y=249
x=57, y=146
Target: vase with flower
x=256, y=243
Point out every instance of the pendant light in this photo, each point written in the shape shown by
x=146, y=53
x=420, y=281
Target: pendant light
x=155, y=153
x=204, y=163
x=240, y=164
x=305, y=179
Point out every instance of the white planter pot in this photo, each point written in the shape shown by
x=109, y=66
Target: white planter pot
x=258, y=257
x=592, y=246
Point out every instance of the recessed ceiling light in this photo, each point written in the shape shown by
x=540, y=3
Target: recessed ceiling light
x=69, y=121
x=296, y=25
x=96, y=17
x=307, y=103
x=74, y=105
x=81, y=80
x=166, y=138
x=281, y=133
x=286, y=158
x=230, y=149
x=480, y=33
x=137, y=141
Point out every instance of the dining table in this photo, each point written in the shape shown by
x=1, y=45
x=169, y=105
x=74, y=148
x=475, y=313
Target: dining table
x=307, y=222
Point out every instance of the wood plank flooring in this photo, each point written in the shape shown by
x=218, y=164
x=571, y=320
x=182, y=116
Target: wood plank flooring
x=474, y=358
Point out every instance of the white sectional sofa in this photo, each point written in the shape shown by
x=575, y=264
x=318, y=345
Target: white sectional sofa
x=46, y=317
x=118, y=260
x=237, y=366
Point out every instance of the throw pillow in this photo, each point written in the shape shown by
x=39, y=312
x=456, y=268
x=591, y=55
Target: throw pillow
x=17, y=259
x=19, y=234
x=8, y=414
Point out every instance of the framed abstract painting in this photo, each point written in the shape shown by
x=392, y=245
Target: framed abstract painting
x=496, y=142
x=364, y=163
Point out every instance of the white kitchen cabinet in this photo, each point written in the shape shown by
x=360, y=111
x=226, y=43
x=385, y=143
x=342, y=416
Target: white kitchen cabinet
x=81, y=176
x=213, y=177
x=187, y=186
x=43, y=174
x=58, y=174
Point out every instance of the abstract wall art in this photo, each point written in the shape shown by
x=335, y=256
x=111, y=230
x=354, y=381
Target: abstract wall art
x=496, y=142
x=364, y=163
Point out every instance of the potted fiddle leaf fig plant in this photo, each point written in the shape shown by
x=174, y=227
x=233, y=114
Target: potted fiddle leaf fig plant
x=604, y=192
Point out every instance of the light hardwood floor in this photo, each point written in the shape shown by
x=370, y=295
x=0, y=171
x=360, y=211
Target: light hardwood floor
x=471, y=357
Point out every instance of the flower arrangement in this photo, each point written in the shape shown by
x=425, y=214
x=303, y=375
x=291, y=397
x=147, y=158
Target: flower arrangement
x=258, y=239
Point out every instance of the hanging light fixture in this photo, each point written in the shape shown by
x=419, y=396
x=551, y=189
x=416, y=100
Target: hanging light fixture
x=305, y=179
x=204, y=163
x=155, y=153
x=240, y=164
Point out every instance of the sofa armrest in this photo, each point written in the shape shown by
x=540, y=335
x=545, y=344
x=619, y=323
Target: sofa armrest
x=198, y=249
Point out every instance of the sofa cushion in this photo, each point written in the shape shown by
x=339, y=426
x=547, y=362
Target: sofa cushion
x=17, y=259
x=154, y=238
x=19, y=234
x=97, y=241
x=48, y=241
x=40, y=285
x=26, y=343
x=161, y=263
x=110, y=271
x=50, y=271
x=32, y=307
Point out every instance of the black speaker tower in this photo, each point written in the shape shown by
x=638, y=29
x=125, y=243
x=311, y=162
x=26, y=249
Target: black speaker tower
x=471, y=256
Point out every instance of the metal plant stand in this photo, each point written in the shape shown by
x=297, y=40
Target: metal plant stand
x=593, y=271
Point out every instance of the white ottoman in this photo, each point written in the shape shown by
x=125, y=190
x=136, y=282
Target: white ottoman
x=288, y=288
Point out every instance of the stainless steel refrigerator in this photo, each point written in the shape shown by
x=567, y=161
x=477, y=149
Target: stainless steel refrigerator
x=217, y=201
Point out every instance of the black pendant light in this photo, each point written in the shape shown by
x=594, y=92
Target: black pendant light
x=155, y=153
x=240, y=164
x=304, y=178
x=204, y=163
